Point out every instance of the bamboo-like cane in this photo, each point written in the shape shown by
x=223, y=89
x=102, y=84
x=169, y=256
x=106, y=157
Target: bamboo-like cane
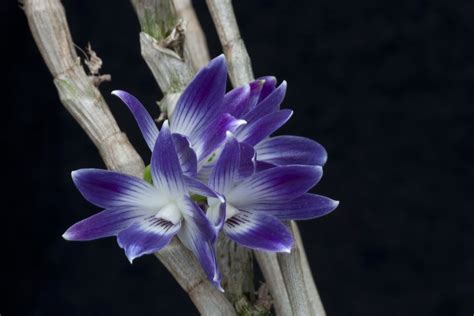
x=195, y=45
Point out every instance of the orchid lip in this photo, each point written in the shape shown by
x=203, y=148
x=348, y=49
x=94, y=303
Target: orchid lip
x=170, y=212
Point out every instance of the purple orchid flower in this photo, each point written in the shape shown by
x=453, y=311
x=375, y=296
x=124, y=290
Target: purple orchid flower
x=254, y=181
x=256, y=205
x=258, y=103
x=143, y=216
x=199, y=115
x=204, y=113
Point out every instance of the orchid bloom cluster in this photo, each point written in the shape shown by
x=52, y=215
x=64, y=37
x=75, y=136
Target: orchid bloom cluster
x=214, y=168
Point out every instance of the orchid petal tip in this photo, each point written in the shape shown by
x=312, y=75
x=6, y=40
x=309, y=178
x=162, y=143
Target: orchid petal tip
x=67, y=235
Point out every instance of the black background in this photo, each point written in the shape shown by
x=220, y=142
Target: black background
x=385, y=86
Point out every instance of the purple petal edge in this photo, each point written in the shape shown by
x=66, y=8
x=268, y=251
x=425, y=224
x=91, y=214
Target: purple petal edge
x=145, y=122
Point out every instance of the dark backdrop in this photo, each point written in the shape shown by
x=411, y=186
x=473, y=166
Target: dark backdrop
x=385, y=86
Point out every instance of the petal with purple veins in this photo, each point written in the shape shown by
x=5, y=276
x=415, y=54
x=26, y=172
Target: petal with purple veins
x=145, y=122
x=213, y=136
x=108, y=189
x=258, y=231
x=268, y=105
x=291, y=150
x=201, y=101
x=104, y=224
x=247, y=161
x=262, y=165
x=276, y=184
x=268, y=86
x=307, y=206
x=236, y=102
x=226, y=170
x=256, y=131
x=146, y=236
x=165, y=166
x=255, y=90
x=197, y=187
x=186, y=155
x=198, y=234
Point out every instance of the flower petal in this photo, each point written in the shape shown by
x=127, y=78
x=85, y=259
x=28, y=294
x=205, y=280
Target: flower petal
x=201, y=100
x=291, y=150
x=145, y=122
x=197, y=187
x=197, y=234
x=236, y=102
x=186, y=155
x=103, y=224
x=256, y=131
x=276, y=184
x=255, y=91
x=262, y=165
x=216, y=213
x=306, y=206
x=247, y=160
x=258, y=231
x=269, y=104
x=146, y=236
x=165, y=166
x=226, y=170
x=268, y=86
x=108, y=189
x=214, y=135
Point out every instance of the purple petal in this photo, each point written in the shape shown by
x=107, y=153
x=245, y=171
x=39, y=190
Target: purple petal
x=306, y=206
x=255, y=91
x=108, y=189
x=236, y=102
x=145, y=122
x=201, y=100
x=256, y=131
x=146, y=236
x=194, y=214
x=186, y=155
x=197, y=234
x=291, y=150
x=226, y=170
x=258, y=231
x=276, y=184
x=268, y=105
x=165, y=166
x=197, y=187
x=214, y=135
x=104, y=224
x=268, y=86
x=247, y=161
x=262, y=165
x=205, y=171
